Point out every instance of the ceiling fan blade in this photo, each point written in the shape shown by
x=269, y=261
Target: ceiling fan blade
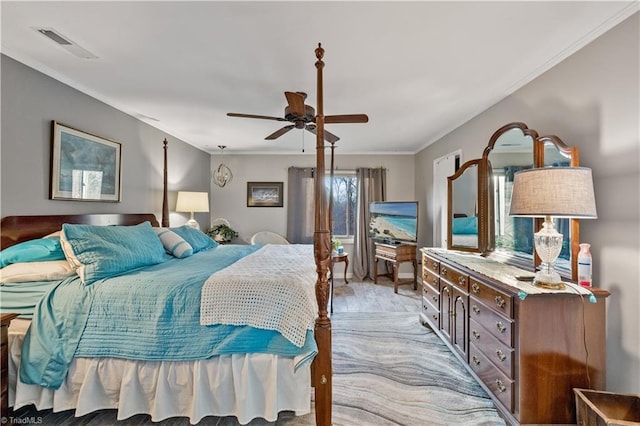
x=346, y=118
x=280, y=132
x=328, y=136
x=296, y=102
x=263, y=117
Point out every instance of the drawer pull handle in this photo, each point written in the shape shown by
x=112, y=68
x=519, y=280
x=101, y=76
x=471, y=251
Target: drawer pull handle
x=501, y=355
x=475, y=360
x=500, y=326
x=435, y=298
x=445, y=290
x=435, y=265
x=475, y=309
x=475, y=288
x=435, y=318
x=500, y=301
x=462, y=280
x=424, y=290
x=444, y=271
x=475, y=334
x=501, y=386
x=424, y=307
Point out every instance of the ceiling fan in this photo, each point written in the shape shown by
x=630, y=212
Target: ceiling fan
x=303, y=117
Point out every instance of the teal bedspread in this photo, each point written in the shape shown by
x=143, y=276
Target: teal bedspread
x=152, y=313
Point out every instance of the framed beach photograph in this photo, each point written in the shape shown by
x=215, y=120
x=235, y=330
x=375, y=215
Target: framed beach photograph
x=84, y=167
x=264, y=194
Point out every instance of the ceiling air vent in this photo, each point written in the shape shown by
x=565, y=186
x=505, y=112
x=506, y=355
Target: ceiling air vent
x=66, y=43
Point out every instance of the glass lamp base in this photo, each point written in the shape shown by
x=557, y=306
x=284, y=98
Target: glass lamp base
x=548, y=279
x=548, y=243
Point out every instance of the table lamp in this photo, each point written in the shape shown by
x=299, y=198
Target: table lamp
x=560, y=192
x=192, y=202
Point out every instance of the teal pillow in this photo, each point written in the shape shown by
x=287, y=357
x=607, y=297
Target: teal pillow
x=39, y=250
x=465, y=225
x=98, y=252
x=197, y=239
x=173, y=243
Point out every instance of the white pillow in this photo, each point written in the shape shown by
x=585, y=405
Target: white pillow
x=173, y=243
x=36, y=271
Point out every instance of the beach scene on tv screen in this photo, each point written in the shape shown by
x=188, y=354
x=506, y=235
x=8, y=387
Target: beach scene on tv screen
x=393, y=221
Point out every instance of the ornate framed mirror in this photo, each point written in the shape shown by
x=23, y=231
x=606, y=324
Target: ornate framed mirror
x=512, y=148
x=464, y=222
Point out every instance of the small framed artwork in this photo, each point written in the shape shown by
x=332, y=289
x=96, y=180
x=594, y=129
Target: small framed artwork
x=84, y=167
x=264, y=194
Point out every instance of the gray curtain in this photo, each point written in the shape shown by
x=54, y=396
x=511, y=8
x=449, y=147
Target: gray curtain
x=300, y=205
x=371, y=187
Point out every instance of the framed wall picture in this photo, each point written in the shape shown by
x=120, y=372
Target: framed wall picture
x=264, y=194
x=84, y=167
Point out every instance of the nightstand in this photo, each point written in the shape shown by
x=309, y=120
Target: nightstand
x=5, y=320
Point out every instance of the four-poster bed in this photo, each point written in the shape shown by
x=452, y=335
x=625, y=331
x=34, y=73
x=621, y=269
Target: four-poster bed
x=25, y=229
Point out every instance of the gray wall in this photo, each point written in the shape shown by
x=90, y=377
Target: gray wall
x=591, y=100
x=31, y=100
x=230, y=202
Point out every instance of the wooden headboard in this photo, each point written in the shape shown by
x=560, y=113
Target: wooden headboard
x=16, y=229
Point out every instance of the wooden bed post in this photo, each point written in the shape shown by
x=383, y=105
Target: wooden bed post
x=165, y=202
x=322, y=369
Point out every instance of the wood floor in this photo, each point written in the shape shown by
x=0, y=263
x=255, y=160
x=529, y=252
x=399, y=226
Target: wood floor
x=363, y=296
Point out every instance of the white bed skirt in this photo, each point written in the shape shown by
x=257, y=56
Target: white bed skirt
x=246, y=386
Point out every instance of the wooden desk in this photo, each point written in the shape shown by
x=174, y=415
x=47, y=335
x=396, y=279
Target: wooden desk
x=5, y=320
x=396, y=254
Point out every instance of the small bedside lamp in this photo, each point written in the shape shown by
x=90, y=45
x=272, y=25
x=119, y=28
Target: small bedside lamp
x=192, y=202
x=562, y=192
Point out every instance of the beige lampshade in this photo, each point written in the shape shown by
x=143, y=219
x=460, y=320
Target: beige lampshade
x=192, y=202
x=563, y=192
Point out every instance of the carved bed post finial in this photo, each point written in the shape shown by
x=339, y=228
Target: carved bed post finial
x=165, y=202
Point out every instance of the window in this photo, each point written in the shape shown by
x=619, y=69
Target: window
x=344, y=203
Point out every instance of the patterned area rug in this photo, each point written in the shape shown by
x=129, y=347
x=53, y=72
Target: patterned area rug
x=391, y=370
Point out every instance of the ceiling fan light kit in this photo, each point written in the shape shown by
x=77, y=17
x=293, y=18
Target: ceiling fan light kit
x=222, y=175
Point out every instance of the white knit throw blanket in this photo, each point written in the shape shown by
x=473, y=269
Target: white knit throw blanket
x=271, y=289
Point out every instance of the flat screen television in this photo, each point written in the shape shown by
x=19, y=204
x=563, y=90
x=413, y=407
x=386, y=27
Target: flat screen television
x=394, y=222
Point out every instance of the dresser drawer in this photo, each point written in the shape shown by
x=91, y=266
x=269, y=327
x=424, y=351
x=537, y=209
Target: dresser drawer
x=499, y=384
x=500, y=354
x=431, y=264
x=498, y=325
x=455, y=277
x=431, y=294
x=495, y=299
x=431, y=313
x=430, y=278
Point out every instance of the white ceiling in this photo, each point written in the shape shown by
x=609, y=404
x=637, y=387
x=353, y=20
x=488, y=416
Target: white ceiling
x=418, y=69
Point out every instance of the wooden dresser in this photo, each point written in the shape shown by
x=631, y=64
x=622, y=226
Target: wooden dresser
x=5, y=320
x=527, y=350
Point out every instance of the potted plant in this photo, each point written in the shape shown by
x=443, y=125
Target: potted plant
x=335, y=243
x=221, y=233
